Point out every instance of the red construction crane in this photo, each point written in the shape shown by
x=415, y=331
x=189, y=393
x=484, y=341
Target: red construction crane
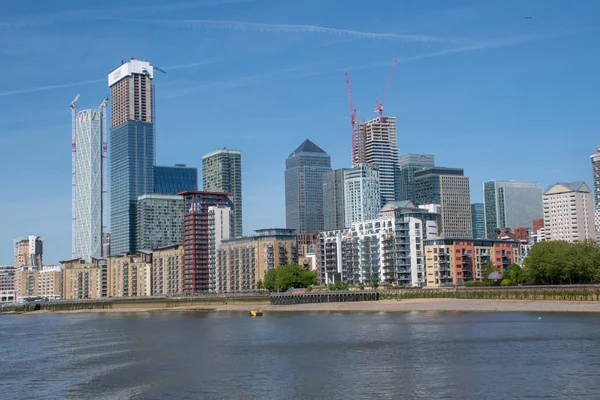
x=379, y=107
x=352, y=117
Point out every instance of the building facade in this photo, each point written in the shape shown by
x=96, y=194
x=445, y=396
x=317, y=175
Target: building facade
x=197, y=237
x=174, y=180
x=304, y=172
x=449, y=188
x=84, y=280
x=362, y=199
x=595, y=159
x=376, y=145
x=511, y=204
x=478, y=220
x=569, y=212
x=90, y=190
x=7, y=283
x=244, y=261
x=167, y=271
x=50, y=282
x=408, y=164
x=334, y=215
x=159, y=221
x=453, y=262
x=132, y=152
x=220, y=227
x=29, y=252
x=130, y=275
x=27, y=279
x=222, y=172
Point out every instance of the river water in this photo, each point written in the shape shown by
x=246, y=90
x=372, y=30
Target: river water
x=206, y=355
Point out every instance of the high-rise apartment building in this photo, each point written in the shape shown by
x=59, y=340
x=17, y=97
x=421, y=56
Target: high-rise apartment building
x=222, y=172
x=511, y=204
x=569, y=212
x=29, y=252
x=408, y=164
x=449, y=188
x=197, y=237
x=304, y=170
x=361, y=194
x=220, y=228
x=132, y=153
x=90, y=186
x=159, y=221
x=376, y=145
x=174, y=180
x=334, y=215
x=478, y=220
x=167, y=270
x=595, y=158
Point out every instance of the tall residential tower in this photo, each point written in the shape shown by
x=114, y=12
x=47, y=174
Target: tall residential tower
x=569, y=212
x=132, y=143
x=595, y=158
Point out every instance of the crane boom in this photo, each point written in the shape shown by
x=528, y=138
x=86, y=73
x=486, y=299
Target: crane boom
x=73, y=178
x=352, y=117
x=379, y=107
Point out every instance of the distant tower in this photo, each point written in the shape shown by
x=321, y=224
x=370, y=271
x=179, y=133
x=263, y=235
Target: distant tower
x=131, y=148
x=304, y=170
x=89, y=169
x=595, y=158
x=361, y=194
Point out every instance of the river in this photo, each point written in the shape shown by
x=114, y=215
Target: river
x=206, y=355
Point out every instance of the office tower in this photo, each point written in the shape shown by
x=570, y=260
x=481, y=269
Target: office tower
x=510, y=204
x=449, y=188
x=376, y=145
x=105, y=245
x=333, y=199
x=89, y=179
x=29, y=252
x=159, y=221
x=220, y=228
x=478, y=220
x=361, y=194
x=569, y=212
x=174, y=180
x=222, y=172
x=304, y=170
x=243, y=261
x=595, y=158
x=408, y=164
x=197, y=237
x=132, y=144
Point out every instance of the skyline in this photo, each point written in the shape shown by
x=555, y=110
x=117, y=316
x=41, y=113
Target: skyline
x=455, y=84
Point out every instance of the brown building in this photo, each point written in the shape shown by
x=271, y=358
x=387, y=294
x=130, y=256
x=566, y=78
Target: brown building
x=197, y=237
x=50, y=282
x=456, y=261
x=130, y=276
x=242, y=262
x=167, y=270
x=26, y=282
x=307, y=243
x=522, y=234
x=537, y=225
x=83, y=280
x=29, y=252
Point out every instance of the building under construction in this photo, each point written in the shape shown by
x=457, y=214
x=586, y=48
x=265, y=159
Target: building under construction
x=197, y=237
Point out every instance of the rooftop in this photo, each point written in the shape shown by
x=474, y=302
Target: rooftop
x=308, y=147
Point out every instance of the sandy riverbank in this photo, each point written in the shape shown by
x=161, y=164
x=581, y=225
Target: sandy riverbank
x=378, y=306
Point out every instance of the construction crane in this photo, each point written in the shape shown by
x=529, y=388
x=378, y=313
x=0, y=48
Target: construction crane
x=159, y=69
x=379, y=108
x=352, y=117
x=73, y=178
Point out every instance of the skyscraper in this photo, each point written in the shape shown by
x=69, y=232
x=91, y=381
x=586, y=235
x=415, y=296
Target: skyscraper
x=222, y=172
x=159, y=221
x=449, y=188
x=361, y=194
x=595, y=158
x=408, y=164
x=376, y=145
x=29, y=252
x=90, y=188
x=131, y=149
x=173, y=180
x=333, y=199
x=569, y=212
x=304, y=170
x=511, y=204
x=478, y=220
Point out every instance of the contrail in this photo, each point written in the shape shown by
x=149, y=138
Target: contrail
x=189, y=65
x=49, y=87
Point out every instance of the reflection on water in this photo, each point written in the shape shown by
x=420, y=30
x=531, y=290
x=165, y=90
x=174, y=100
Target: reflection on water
x=191, y=355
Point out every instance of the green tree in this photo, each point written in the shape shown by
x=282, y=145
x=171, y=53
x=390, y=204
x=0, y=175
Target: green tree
x=506, y=282
x=341, y=285
x=513, y=273
x=486, y=270
x=289, y=276
x=373, y=281
x=260, y=285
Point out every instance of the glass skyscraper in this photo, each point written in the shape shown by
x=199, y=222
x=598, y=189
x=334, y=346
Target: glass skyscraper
x=304, y=170
x=511, y=204
x=478, y=218
x=174, y=180
x=334, y=206
x=159, y=221
x=408, y=164
x=131, y=150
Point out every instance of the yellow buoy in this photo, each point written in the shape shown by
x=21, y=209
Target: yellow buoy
x=256, y=313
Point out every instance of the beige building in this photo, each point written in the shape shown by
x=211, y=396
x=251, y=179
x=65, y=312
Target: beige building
x=83, y=280
x=243, y=261
x=569, y=212
x=130, y=276
x=167, y=270
x=50, y=282
x=7, y=283
x=26, y=282
x=29, y=252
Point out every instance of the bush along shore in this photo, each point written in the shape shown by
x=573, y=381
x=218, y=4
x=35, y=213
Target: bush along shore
x=552, y=295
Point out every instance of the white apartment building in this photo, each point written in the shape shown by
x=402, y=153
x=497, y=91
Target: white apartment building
x=362, y=200
x=569, y=212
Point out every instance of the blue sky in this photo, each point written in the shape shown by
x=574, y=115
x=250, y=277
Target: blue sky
x=476, y=84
